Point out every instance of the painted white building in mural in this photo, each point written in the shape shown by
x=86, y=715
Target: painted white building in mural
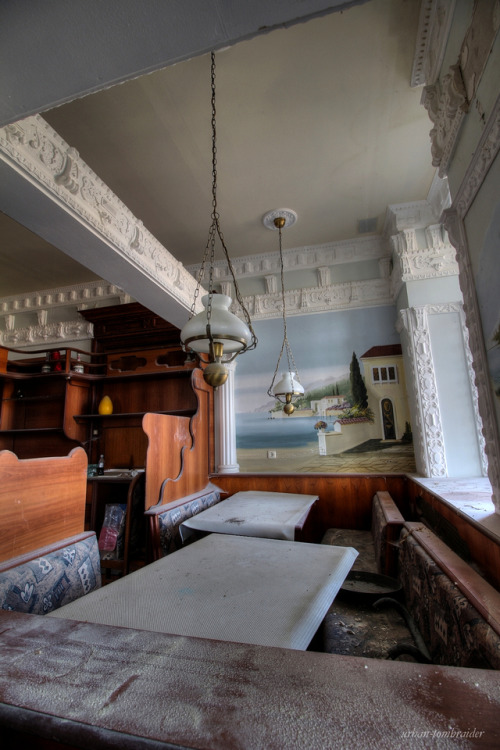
x=323, y=406
x=385, y=382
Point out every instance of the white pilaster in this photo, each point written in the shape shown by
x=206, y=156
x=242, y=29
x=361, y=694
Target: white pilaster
x=430, y=456
x=225, y=425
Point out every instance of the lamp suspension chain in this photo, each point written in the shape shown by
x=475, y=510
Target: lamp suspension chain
x=216, y=334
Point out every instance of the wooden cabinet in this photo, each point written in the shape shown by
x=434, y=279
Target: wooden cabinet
x=137, y=361
x=36, y=416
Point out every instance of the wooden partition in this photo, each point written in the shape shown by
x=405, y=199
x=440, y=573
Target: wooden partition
x=345, y=500
x=180, y=452
x=42, y=500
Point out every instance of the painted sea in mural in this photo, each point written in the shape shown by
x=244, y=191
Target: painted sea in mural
x=287, y=432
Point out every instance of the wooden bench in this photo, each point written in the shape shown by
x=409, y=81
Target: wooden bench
x=46, y=558
x=165, y=519
x=47, y=578
x=456, y=611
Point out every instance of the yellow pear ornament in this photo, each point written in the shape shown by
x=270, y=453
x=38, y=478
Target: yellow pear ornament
x=105, y=405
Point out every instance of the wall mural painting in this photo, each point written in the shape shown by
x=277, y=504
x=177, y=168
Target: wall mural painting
x=353, y=416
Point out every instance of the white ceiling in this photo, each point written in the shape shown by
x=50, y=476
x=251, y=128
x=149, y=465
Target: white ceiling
x=318, y=117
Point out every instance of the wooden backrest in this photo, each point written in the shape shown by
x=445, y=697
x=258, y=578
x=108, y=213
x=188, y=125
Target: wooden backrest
x=42, y=500
x=180, y=449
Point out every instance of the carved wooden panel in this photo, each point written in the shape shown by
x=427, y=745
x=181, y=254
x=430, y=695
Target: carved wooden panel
x=180, y=452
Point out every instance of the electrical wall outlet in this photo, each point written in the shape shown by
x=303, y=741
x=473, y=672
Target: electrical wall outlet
x=271, y=454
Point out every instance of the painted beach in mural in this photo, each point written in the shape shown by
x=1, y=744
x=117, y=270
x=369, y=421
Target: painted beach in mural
x=353, y=416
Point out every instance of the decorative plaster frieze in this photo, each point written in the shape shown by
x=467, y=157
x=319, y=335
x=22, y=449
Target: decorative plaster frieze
x=314, y=256
x=26, y=317
x=484, y=156
x=47, y=334
x=414, y=263
x=447, y=105
x=79, y=296
x=448, y=101
x=477, y=43
x=32, y=147
x=432, y=35
x=429, y=445
x=344, y=296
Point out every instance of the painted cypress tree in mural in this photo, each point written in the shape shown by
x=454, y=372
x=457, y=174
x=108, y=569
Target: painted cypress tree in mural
x=358, y=387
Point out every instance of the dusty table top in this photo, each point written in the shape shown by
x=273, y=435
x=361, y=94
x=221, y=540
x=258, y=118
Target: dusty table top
x=106, y=687
x=275, y=515
x=233, y=588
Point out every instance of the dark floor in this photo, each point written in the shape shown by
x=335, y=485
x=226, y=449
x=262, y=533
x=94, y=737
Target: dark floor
x=353, y=626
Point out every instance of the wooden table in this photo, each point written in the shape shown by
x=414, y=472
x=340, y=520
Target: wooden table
x=274, y=515
x=233, y=588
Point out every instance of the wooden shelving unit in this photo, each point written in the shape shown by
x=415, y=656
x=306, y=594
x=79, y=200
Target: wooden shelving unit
x=136, y=360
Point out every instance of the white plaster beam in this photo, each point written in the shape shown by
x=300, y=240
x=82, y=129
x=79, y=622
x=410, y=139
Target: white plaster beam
x=45, y=186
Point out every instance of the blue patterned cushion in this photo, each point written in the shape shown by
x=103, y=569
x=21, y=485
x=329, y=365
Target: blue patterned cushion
x=170, y=520
x=47, y=582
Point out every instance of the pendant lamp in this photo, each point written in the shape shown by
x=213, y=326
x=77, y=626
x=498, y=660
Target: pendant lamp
x=216, y=335
x=289, y=387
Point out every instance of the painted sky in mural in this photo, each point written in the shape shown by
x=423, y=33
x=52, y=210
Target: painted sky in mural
x=322, y=347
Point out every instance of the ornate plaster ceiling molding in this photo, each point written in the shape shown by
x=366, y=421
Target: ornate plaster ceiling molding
x=78, y=295
x=447, y=101
x=484, y=156
x=432, y=34
x=48, y=334
x=26, y=317
x=412, y=263
x=35, y=150
x=345, y=296
x=347, y=251
x=447, y=105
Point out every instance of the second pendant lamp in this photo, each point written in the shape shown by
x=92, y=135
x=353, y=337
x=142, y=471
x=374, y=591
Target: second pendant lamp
x=289, y=387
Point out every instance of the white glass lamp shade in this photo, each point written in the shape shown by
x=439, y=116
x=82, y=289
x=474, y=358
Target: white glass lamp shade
x=225, y=327
x=288, y=384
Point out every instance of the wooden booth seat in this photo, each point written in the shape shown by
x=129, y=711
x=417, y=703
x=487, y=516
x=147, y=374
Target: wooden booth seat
x=456, y=611
x=377, y=548
x=46, y=557
x=49, y=577
x=165, y=519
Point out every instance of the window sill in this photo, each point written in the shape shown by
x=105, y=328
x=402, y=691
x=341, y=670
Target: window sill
x=470, y=496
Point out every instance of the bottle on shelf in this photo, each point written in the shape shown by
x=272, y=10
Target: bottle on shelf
x=58, y=363
x=100, y=465
x=46, y=364
x=79, y=366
